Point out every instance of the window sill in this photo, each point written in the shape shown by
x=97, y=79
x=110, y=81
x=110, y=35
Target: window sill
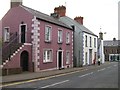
x=47, y=62
x=60, y=42
x=67, y=43
x=47, y=41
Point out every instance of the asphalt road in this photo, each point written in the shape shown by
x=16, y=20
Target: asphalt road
x=104, y=76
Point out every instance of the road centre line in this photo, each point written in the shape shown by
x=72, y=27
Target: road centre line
x=101, y=69
x=86, y=74
x=108, y=67
x=55, y=84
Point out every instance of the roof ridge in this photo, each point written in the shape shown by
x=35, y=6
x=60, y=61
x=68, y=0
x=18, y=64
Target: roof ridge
x=45, y=17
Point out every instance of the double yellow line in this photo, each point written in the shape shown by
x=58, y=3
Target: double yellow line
x=33, y=80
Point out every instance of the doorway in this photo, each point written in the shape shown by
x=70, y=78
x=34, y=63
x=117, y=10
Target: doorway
x=60, y=59
x=23, y=29
x=90, y=56
x=24, y=58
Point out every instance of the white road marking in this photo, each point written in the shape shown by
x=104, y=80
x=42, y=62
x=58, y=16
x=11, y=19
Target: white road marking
x=115, y=65
x=86, y=74
x=55, y=84
x=101, y=69
x=108, y=67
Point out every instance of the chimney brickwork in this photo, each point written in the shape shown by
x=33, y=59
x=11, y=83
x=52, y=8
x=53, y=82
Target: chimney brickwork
x=61, y=10
x=16, y=3
x=79, y=20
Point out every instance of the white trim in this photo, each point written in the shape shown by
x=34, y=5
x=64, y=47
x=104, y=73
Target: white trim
x=35, y=42
x=1, y=66
x=48, y=69
x=20, y=32
x=27, y=44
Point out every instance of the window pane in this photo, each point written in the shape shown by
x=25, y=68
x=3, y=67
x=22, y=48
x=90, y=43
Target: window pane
x=6, y=34
x=48, y=33
x=60, y=36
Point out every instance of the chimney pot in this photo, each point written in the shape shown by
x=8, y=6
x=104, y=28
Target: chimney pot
x=114, y=39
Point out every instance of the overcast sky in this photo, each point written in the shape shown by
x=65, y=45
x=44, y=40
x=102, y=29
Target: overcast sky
x=96, y=13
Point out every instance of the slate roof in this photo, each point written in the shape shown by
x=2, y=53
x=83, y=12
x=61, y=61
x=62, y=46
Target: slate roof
x=111, y=43
x=45, y=17
x=68, y=21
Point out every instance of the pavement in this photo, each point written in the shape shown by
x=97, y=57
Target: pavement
x=35, y=75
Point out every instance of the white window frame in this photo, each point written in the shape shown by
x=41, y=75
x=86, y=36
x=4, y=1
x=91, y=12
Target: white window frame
x=20, y=32
x=67, y=57
x=50, y=33
x=60, y=38
x=67, y=37
x=45, y=55
x=6, y=34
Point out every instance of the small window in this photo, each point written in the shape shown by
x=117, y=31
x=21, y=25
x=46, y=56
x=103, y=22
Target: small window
x=48, y=31
x=90, y=42
x=67, y=57
x=47, y=56
x=60, y=33
x=6, y=34
x=85, y=40
x=68, y=38
x=95, y=42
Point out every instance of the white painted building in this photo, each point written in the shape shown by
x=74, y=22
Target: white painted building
x=89, y=49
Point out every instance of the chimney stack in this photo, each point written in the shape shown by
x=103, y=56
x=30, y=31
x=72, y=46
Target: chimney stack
x=79, y=20
x=61, y=10
x=101, y=35
x=16, y=3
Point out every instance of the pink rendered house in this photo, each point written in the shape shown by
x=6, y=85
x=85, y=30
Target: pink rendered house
x=33, y=41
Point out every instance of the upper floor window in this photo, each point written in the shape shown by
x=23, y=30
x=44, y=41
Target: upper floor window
x=48, y=32
x=47, y=55
x=90, y=42
x=95, y=42
x=67, y=37
x=6, y=34
x=85, y=40
x=60, y=33
x=67, y=57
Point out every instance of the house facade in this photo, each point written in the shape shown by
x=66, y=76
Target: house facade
x=34, y=41
x=112, y=50
x=85, y=41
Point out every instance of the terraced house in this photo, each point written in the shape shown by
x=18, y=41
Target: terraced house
x=34, y=41
x=85, y=41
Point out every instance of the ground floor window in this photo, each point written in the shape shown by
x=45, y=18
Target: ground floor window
x=47, y=55
x=67, y=57
x=115, y=57
x=86, y=55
